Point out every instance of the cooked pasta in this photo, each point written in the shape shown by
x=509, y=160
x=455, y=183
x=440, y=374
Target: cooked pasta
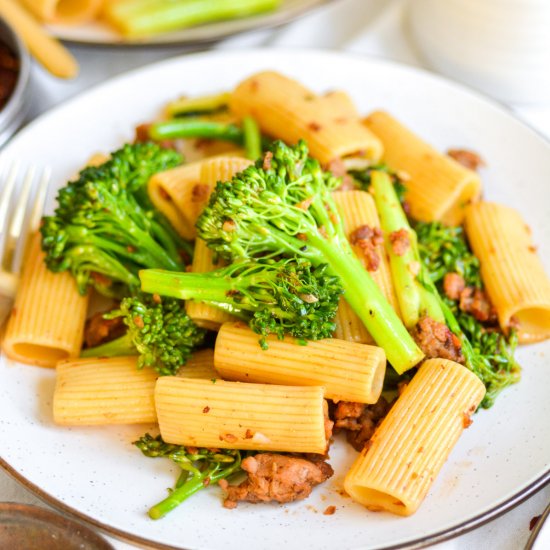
x=204, y=315
x=47, y=320
x=235, y=415
x=357, y=210
x=200, y=365
x=438, y=187
x=65, y=11
x=395, y=470
x=348, y=371
x=511, y=269
x=173, y=191
x=181, y=193
x=287, y=110
x=104, y=391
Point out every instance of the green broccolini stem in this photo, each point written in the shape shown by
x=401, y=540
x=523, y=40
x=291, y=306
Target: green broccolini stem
x=414, y=300
x=192, y=485
x=252, y=138
x=193, y=106
x=202, y=287
x=368, y=302
x=119, y=347
x=139, y=18
x=195, y=128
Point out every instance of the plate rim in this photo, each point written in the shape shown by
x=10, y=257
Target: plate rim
x=271, y=21
x=442, y=535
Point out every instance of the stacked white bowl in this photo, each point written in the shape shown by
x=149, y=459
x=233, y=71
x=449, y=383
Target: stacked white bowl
x=501, y=47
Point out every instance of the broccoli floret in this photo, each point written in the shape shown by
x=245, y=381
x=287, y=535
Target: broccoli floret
x=438, y=250
x=363, y=178
x=280, y=296
x=282, y=206
x=200, y=468
x=159, y=331
x=490, y=353
x=105, y=228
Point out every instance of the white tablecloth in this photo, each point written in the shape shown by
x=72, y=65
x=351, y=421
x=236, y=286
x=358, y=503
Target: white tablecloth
x=371, y=27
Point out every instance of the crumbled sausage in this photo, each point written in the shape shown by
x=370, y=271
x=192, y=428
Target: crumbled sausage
x=360, y=420
x=468, y=159
x=436, y=340
x=399, y=241
x=99, y=330
x=476, y=302
x=274, y=477
x=453, y=285
x=142, y=136
x=368, y=239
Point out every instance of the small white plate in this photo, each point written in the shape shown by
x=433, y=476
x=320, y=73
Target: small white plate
x=102, y=34
x=98, y=475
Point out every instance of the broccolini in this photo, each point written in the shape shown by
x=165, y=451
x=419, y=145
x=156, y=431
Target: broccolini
x=277, y=297
x=200, y=468
x=159, y=331
x=283, y=206
x=105, y=228
x=489, y=352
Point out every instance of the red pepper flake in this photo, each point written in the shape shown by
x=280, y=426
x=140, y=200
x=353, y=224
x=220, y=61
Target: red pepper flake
x=206, y=410
x=305, y=204
x=314, y=126
x=329, y=510
x=206, y=481
x=229, y=438
x=249, y=434
x=138, y=321
x=466, y=420
x=131, y=249
x=200, y=192
x=267, y=161
x=157, y=299
x=229, y=226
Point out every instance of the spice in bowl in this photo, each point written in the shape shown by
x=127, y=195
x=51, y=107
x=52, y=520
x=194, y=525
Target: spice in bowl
x=9, y=70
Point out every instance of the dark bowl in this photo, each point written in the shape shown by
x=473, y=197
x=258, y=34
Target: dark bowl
x=14, y=111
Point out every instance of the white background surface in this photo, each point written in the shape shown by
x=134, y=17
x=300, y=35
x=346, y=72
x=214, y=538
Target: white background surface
x=373, y=27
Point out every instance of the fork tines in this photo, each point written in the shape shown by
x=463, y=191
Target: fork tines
x=22, y=196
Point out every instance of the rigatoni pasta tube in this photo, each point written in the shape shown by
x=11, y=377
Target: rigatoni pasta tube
x=200, y=365
x=348, y=371
x=47, y=321
x=438, y=188
x=104, y=391
x=287, y=110
x=65, y=11
x=395, y=470
x=174, y=191
x=204, y=315
x=357, y=210
x=235, y=415
x=182, y=193
x=512, y=271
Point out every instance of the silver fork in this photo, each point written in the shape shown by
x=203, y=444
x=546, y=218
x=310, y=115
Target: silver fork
x=22, y=197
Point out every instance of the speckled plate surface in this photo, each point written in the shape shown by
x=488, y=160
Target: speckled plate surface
x=97, y=474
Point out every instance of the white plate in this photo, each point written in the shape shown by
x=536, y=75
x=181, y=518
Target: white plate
x=97, y=474
x=100, y=33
